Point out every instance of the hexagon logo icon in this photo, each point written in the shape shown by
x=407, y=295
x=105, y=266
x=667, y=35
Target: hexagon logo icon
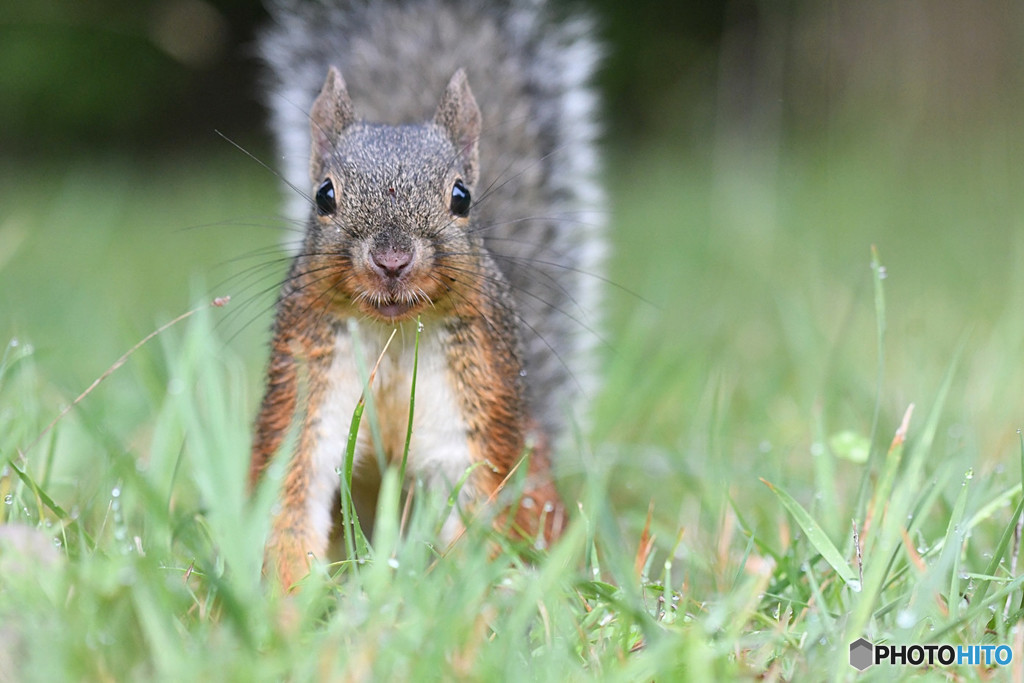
x=862, y=654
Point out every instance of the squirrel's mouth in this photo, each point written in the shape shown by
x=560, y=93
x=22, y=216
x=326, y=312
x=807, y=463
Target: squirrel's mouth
x=393, y=310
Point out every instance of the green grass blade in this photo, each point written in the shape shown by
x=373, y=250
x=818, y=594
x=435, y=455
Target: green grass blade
x=954, y=540
x=816, y=537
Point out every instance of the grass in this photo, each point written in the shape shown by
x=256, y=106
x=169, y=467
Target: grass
x=753, y=496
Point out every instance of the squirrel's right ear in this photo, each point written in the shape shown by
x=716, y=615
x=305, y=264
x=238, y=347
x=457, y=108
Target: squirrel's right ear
x=332, y=112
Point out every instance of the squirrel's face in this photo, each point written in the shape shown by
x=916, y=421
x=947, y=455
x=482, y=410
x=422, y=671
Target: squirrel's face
x=389, y=235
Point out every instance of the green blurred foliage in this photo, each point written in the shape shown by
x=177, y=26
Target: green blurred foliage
x=139, y=76
x=105, y=73
x=160, y=73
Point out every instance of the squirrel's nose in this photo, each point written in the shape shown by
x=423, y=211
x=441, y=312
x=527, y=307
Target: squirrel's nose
x=392, y=262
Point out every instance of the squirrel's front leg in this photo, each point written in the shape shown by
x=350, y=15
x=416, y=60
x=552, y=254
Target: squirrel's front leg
x=297, y=385
x=487, y=370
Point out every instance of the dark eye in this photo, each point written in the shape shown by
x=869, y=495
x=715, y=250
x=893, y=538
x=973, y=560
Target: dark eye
x=325, y=204
x=460, y=199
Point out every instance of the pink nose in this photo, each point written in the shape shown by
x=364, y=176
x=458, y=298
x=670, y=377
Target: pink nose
x=392, y=262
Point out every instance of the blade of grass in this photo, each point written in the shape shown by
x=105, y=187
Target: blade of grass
x=815, y=536
x=412, y=400
x=954, y=539
x=357, y=545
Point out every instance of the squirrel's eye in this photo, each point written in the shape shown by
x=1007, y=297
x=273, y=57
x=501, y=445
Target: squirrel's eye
x=460, y=199
x=325, y=203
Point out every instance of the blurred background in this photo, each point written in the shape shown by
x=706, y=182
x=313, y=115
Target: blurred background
x=756, y=151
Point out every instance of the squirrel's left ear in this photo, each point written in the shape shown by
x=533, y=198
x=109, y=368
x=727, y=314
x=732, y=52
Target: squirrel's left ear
x=459, y=116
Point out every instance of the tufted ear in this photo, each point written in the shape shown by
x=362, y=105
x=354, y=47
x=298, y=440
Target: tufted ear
x=459, y=116
x=332, y=113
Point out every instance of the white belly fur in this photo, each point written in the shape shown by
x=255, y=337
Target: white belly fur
x=438, y=452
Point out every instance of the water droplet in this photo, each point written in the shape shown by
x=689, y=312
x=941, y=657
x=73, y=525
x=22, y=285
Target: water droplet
x=116, y=492
x=14, y=343
x=906, y=618
x=522, y=373
x=57, y=543
x=393, y=562
x=549, y=506
x=969, y=474
x=854, y=585
x=9, y=499
x=419, y=325
x=882, y=273
x=527, y=503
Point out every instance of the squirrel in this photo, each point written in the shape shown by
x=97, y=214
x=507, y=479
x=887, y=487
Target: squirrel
x=473, y=212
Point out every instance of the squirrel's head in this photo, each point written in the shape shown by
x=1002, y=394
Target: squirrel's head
x=389, y=232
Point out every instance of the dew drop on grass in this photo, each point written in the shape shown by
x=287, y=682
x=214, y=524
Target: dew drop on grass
x=116, y=492
x=854, y=585
x=57, y=543
x=393, y=562
x=906, y=618
x=9, y=499
x=968, y=475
